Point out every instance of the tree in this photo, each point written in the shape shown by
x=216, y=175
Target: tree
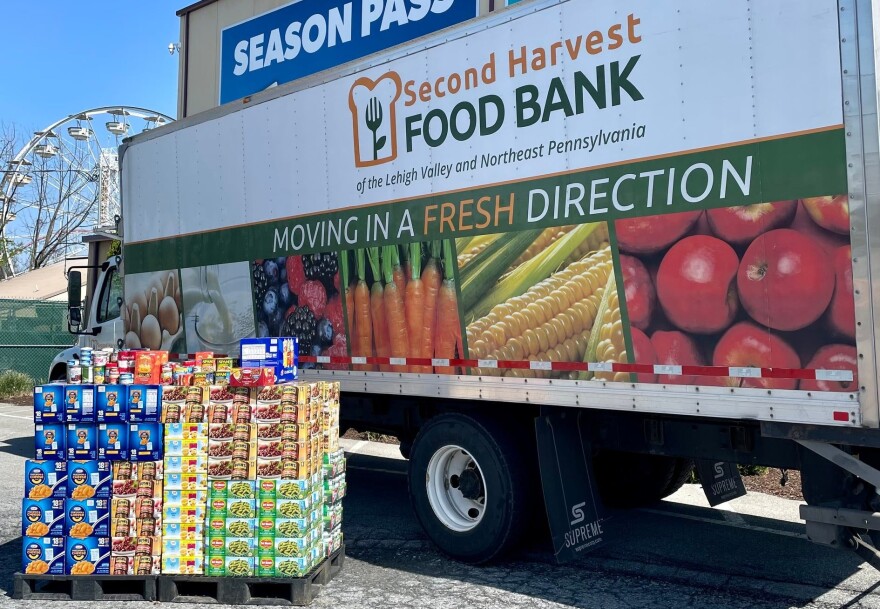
x=50, y=210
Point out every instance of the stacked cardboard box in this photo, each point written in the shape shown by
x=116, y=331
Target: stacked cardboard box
x=333, y=469
x=136, y=518
x=185, y=497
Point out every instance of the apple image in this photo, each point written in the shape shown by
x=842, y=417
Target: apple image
x=650, y=234
x=826, y=239
x=702, y=226
x=842, y=310
x=833, y=357
x=677, y=349
x=643, y=353
x=638, y=290
x=747, y=345
x=831, y=213
x=785, y=280
x=740, y=225
x=696, y=284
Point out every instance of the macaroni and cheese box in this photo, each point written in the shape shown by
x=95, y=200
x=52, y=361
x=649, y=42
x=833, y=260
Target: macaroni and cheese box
x=42, y=517
x=49, y=404
x=42, y=555
x=143, y=404
x=82, y=441
x=111, y=403
x=113, y=441
x=44, y=479
x=88, y=479
x=89, y=556
x=145, y=442
x=79, y=403
x=86, y=517
x=50, y=440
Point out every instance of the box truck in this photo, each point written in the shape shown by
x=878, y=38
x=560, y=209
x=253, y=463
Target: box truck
x=575, y=245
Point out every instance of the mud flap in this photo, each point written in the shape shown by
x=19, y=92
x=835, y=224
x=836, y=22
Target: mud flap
x=720, y=481
x=574, y=509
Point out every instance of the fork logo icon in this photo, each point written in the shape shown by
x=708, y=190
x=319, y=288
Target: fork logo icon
x=373, y=105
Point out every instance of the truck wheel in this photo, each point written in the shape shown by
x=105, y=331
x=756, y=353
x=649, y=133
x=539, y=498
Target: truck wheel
x=59, y=373
x=467, y=484
x=629, y=480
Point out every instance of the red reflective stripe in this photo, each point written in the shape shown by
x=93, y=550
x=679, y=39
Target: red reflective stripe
x=570, y=366
x=704, y=370
x=787, y=373
x=841, y=416
x=633, y=368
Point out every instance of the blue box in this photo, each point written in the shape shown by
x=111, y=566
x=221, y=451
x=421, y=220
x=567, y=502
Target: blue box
x=143, y=404
x=95, y=474
x=50, y=440
x=79, y=403
x=113, y=441
x=40, y=474
x=281, y=354
x=111, y=403
x=39, y=550
x=94, y=552
x=93, y=512
x=49, y=404
x=82, y=441
x=145, y=442
x=48, y=512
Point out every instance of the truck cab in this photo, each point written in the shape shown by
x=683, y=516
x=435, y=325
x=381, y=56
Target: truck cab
x=96, y=321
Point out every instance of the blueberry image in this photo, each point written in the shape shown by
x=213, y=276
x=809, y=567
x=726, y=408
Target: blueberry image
x=324, y=332
x=270, y=266
x=270, y=303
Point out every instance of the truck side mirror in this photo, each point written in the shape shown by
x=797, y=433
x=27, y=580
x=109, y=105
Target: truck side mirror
x=74, y=300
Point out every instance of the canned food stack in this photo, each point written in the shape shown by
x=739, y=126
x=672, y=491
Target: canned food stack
x=185, y=492
x=333, y=469
x=136, y=518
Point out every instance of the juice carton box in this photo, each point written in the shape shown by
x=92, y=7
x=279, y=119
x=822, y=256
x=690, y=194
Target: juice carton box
x=50, y=440
x=49, y=404
x=111, y=403
x=113, y=441
x=79, y=403
x=82, y=441
x=145, y=442
x=44, y=479
x=42, y=517
x=89, y=556
x=280, y=354
x=43, y=555
x=86, y=517
x=143, y=404
x=89, y=479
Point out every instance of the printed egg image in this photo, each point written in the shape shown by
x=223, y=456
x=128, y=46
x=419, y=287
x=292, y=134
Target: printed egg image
x=151, y=313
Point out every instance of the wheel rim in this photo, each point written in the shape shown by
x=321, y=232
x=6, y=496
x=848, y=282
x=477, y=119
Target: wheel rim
x=456, y=488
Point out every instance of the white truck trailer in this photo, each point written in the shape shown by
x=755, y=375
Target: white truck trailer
x=592, y=242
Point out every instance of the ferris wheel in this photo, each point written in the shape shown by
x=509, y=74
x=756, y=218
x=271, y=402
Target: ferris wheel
x=63, y=184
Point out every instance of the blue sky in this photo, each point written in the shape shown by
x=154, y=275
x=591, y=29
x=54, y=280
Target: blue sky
x=72, y=56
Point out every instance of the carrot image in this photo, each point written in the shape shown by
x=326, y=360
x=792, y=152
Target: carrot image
x=349, y=293
x=363, y=338
x=448, y=327
x=397, y=270
x=395, y=315
x=415, y=305
x=431, y=279
x=377, y=307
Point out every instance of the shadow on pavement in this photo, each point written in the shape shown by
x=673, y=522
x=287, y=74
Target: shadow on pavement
x=10, y=562
x=20, y=447
x=690, y=545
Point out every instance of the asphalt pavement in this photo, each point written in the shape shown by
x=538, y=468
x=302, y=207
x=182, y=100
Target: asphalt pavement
x=751, y=552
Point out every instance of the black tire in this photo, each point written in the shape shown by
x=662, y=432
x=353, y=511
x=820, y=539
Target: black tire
x=501, y=453
x=59, y=373
x=628, y=480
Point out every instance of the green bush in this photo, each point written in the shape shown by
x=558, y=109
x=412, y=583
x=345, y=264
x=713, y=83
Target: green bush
x=752, y=470
x=14, y=384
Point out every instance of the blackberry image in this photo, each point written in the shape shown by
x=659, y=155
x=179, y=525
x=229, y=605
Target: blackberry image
x=261, y=283
x=301, y=324
x=321, y=266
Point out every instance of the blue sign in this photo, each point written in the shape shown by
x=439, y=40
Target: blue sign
x=308, y=36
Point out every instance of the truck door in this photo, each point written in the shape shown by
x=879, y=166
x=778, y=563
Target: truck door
x=106, y=320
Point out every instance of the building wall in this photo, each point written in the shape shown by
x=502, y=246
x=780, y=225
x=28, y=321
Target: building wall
x=199, y=73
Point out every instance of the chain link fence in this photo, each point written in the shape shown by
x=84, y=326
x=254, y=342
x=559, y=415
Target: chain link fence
x=32, y=332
